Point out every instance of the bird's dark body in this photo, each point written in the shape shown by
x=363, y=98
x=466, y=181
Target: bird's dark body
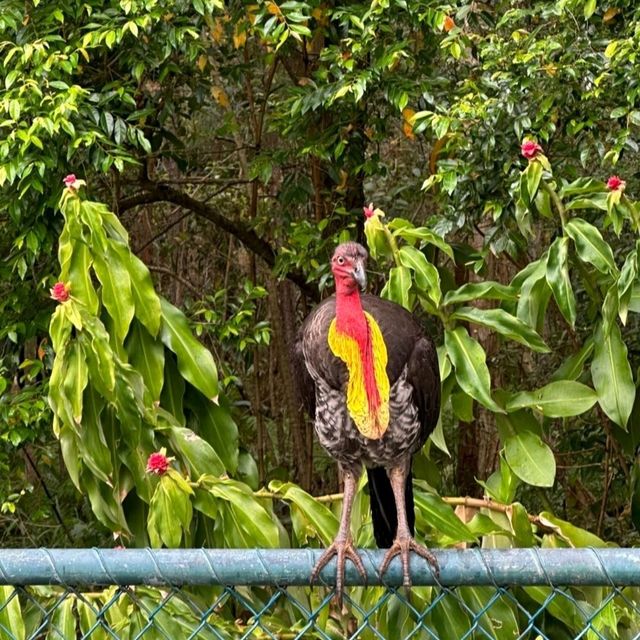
x=414, y=401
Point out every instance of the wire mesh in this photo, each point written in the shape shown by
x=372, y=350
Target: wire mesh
x=225, y=594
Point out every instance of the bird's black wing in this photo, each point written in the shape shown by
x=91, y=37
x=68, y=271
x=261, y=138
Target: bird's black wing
x=424, y=376
x=302, y=381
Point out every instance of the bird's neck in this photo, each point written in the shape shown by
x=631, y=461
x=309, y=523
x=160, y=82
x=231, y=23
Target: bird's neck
x=352, y=322
x=350, y=318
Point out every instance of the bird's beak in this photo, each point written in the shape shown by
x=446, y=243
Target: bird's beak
x=360, y=276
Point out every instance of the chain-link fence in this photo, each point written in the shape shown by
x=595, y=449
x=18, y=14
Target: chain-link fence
x=537, y=594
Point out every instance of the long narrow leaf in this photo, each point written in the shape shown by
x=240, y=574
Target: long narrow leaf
x=505, y=324
x=612, y=376
x=195, y=362
x=469, y=360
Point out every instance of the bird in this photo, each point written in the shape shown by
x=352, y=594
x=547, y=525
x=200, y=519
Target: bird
x=367, y=373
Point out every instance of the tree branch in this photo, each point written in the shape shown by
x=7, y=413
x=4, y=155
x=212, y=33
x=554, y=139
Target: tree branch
x=164, y=193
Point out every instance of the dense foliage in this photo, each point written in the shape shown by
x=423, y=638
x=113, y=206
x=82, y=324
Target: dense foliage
x=233, y=145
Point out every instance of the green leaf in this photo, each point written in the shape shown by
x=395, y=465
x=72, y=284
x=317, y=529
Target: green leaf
x=216, y=426
x=521, y=525
x=59, y=327
x=79, y=276
x=64, y=620
x=146, y=355
x=449, y=619
x=628, y=276
x=595, y=201
x=534, y=294
x=556, y=400
x=582, y=186
x=612, y=376
x=88, y=621
x=589, y=8
x=469, y=360
x=558, y=279
x=441, y=517
x=426, y=275
x=543, y=203
x=505, y=324
x=564, y=610
x=572, y=535
x=502, y=484
x=173, y=390
x=322, y=519
x=248, y=470
x=634, y=300
x=426, y=235
x=75, y=379
x=91, y=442
x=573, y=366
x=530, y=181
x=498, y=619
x=199, y=454
x=438, y=439
x=487, y=290
x=100, y=356
x=11, y=617
x=397, y=287
x=249, y=513
x=195, y=362
x=70, y=454
x=169, y=513
x=590, y=245
x=530, y=459
x=116, y=289
x=462, y=406
x=146, y=300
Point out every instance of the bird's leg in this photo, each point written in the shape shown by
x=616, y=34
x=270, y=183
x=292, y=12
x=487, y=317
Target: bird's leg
x=404, y=542
x=342, y=546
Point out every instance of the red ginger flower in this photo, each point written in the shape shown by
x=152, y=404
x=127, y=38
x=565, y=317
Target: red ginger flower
x=60, y=292
x=530, y=149
x=368, y=211
x=614, y=183
x=71, y=182
x=157, y=463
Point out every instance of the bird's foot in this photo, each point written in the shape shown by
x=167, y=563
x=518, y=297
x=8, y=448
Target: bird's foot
x=402, y=547
x=343, y=549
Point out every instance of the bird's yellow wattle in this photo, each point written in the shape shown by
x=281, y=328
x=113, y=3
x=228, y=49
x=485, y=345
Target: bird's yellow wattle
x=371, y=420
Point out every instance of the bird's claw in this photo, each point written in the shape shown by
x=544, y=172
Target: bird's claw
x=402, y=547
x=343, y=549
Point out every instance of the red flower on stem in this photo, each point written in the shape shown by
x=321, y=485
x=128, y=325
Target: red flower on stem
x=368, y=211
x=60, y=292
x=71, y=182
x=530, y=149
x=614, y=183
x=157, y=463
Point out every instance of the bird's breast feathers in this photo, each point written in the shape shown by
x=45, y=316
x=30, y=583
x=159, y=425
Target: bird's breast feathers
x=368, y=386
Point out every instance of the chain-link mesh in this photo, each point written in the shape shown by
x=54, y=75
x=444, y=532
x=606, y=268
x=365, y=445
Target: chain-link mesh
x=495, y=597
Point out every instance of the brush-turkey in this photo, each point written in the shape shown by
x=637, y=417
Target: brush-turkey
x=368, y=374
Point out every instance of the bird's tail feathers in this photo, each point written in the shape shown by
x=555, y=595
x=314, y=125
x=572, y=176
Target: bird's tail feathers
x=383, y=506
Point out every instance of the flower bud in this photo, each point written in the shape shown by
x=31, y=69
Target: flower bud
x=375, y=232
x=60, y=292
x=614, y=183
x=530, y=149
x=158, y=463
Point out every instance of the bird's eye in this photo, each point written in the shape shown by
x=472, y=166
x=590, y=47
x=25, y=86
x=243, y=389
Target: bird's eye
x=340, y=260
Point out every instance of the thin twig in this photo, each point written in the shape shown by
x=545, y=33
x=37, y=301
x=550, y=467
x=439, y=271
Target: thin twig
x=179, y=278
x=43, y=484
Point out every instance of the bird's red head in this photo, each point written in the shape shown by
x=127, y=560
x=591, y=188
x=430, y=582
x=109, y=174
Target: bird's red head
x=348, y=266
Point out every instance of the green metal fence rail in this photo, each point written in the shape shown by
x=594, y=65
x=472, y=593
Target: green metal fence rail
x=536, y=594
